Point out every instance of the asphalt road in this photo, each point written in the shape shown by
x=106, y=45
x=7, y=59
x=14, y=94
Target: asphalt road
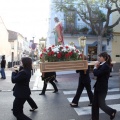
x=55, y=106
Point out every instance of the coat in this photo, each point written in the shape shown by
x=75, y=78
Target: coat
x=3, y=63
x=102, y=73
x=21, y=80
x=49, y=76
x=84, y=78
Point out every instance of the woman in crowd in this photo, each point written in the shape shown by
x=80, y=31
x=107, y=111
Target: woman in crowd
x=30, y=100
x=48, y=77
x=102, y=71
x=84, y=82
x=21, y=90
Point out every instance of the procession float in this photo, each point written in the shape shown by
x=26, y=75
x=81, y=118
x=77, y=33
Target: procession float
x=63, y=57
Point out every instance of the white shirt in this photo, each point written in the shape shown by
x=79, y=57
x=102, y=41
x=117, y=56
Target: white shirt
x=100, y=64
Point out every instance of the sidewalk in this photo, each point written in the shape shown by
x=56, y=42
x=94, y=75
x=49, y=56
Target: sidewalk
x=66, y=80
x=7, y=85
x=69, y=80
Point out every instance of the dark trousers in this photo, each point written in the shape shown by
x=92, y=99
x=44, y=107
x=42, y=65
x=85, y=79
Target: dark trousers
x=99, y=102
x=31, y=102
x=18, y=109
x=80, y=88
x=45, y=86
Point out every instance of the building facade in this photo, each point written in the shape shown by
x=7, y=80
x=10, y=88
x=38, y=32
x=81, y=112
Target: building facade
x=116, y=38
x=72, y=20
x=5, y=46
x=16, y=40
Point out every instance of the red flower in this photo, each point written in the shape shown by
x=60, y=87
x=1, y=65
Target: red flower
x=41, y=55
x=44, y=50
x=80, y=55
x=53, y=45
x=77, y=51
x=59, y=55
x=66, y=55
x=52, y=53
x=66, y=47
x=49, y=53
x=70, y=53
x=49, y=49
x=61, y=47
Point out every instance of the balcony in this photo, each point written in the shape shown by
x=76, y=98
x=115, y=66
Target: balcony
x=75, y=31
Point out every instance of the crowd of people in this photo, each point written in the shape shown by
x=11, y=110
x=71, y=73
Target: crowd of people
x=21, y=79
x=21, y=90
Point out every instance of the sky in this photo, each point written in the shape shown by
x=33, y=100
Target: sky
x=28, y=17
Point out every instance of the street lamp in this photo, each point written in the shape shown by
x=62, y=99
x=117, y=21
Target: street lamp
x=72, y=44
x=82, y=43
x=42, y=43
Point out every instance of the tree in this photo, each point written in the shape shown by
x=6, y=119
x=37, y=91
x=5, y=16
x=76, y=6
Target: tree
x=91, y=12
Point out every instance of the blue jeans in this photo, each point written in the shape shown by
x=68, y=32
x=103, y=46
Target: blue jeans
x=3, y=73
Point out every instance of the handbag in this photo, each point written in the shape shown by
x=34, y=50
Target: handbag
x=48, y=78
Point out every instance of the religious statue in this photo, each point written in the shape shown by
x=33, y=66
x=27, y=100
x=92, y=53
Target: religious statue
x=58, y=31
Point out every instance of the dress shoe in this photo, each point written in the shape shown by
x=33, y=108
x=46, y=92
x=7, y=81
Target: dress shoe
x=42, y=94
x=33, y=109
x=73, y=105
x=113, y=115
x=55, y=91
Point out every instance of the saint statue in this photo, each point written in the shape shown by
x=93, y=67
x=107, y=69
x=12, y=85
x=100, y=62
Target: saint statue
x=58, y=30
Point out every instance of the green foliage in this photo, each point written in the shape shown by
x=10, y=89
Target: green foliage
x=90, y=12
x=108, y=32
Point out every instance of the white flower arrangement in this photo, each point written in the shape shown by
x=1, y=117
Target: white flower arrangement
x=61, y=53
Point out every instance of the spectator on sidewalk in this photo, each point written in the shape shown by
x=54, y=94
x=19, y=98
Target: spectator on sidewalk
x=3, y=64
x=21, y=90
x=48, y=77
x=84, y=82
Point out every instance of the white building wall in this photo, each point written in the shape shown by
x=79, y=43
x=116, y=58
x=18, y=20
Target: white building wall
x=20, y=40
x=15, y=50
x=5, y=46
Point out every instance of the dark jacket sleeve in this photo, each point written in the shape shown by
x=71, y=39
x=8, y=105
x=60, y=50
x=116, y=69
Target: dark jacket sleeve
x=21, y=80
x=101, y=71
x=18, y=77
